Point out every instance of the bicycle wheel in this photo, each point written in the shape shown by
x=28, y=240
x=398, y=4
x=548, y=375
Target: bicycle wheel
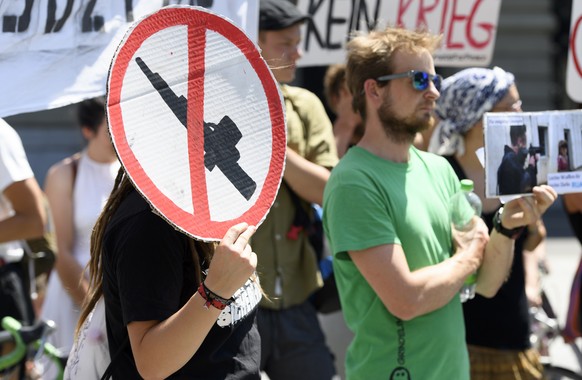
x=558, y=373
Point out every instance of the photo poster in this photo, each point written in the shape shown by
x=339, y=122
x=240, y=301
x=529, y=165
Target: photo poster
x=526, y=149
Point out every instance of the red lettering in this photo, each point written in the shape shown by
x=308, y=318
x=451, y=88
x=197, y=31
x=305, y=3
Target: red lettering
x=454, y=19
x=485, y=26
x=402, y=8
x=466, y=22
x=422, y=10
x=573, y=46
x=443, y=16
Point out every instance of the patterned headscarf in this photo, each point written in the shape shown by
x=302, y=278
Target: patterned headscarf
x=465, y=97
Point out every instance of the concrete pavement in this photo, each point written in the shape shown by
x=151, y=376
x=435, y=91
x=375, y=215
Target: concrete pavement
x=563, y=255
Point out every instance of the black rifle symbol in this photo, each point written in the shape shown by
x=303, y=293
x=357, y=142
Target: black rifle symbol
x=219, y=139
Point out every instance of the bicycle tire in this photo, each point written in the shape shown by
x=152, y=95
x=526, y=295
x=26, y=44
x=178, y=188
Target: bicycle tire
x=557, y=373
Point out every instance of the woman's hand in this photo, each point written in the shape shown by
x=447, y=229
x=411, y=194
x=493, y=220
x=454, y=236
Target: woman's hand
x=527, y=210
x=233, y=262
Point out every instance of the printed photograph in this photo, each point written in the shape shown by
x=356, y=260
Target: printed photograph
x=526, y=149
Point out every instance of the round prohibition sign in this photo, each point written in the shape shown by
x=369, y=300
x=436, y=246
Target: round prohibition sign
x=197, y=120
x=573, y=39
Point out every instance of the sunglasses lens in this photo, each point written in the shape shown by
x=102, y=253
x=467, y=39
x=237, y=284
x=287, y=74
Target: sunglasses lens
x=420, y=80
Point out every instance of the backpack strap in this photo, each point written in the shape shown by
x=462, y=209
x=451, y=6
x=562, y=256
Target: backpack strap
x=75, y=167
x=301, y=220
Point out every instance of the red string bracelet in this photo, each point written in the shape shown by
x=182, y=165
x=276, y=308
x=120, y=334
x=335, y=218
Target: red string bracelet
x=213, y=299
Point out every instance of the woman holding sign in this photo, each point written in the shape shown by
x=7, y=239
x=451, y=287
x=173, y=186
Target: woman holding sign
x=497, y=329
x=176, y=308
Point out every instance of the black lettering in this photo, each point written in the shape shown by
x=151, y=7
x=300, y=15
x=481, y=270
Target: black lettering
x=401, y=342
x=52, y=24
x=330, y=22
x=11, y=23
x=92, y=23
x=361, y=9
x=311, y=27
x=353, y=22
x=200, y=3
x=129, y=10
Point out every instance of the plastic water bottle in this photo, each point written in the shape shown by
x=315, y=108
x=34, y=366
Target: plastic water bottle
x=463, y=206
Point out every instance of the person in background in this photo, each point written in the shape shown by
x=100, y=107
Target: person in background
x=347, y=126
x=563, y=163
x=397, y=264
x=22, y=216
x=77, y=188
x=497, y=329
x=291, y=336
x=513, y=176
x=572, y=203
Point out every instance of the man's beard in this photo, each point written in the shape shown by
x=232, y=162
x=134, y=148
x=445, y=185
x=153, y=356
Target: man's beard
x=401, y=130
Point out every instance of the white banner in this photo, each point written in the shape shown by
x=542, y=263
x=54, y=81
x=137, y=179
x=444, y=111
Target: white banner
x=574, y=70
x=468, y=27
x=58, y=52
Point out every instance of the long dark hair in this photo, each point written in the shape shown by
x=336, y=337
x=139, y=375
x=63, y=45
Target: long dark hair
x=201, y=252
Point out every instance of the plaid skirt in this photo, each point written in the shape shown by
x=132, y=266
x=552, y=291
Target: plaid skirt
x=493, y=364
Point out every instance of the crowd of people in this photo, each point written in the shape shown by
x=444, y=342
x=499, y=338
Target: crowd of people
x=405, y=136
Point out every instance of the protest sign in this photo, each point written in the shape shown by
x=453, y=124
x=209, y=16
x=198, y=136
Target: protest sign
x=180, y=89
x=526, y=149
x=468, y=27
x=574, y=69
x=55, y=53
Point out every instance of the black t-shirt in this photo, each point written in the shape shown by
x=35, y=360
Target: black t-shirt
x=148, y=274
x=501, y=322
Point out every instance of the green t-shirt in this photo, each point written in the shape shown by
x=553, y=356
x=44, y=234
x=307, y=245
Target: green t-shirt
x=369, y=201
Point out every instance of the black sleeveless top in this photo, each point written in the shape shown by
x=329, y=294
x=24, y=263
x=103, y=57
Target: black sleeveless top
x=501, y=322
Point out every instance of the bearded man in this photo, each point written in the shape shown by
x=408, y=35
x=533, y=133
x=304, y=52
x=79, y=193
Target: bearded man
x=397, y=262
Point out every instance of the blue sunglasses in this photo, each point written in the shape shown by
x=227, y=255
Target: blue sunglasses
x=420, y=79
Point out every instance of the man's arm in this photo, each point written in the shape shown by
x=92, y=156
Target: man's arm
x=409, y=294
x=29, y=215
x=305, y=178
x=307, y=168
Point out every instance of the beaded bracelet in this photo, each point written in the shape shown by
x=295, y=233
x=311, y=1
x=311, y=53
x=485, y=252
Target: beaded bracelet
x=213, y=299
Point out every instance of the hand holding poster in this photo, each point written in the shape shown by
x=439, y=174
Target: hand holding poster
x=180, y=87
x=523, y=150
